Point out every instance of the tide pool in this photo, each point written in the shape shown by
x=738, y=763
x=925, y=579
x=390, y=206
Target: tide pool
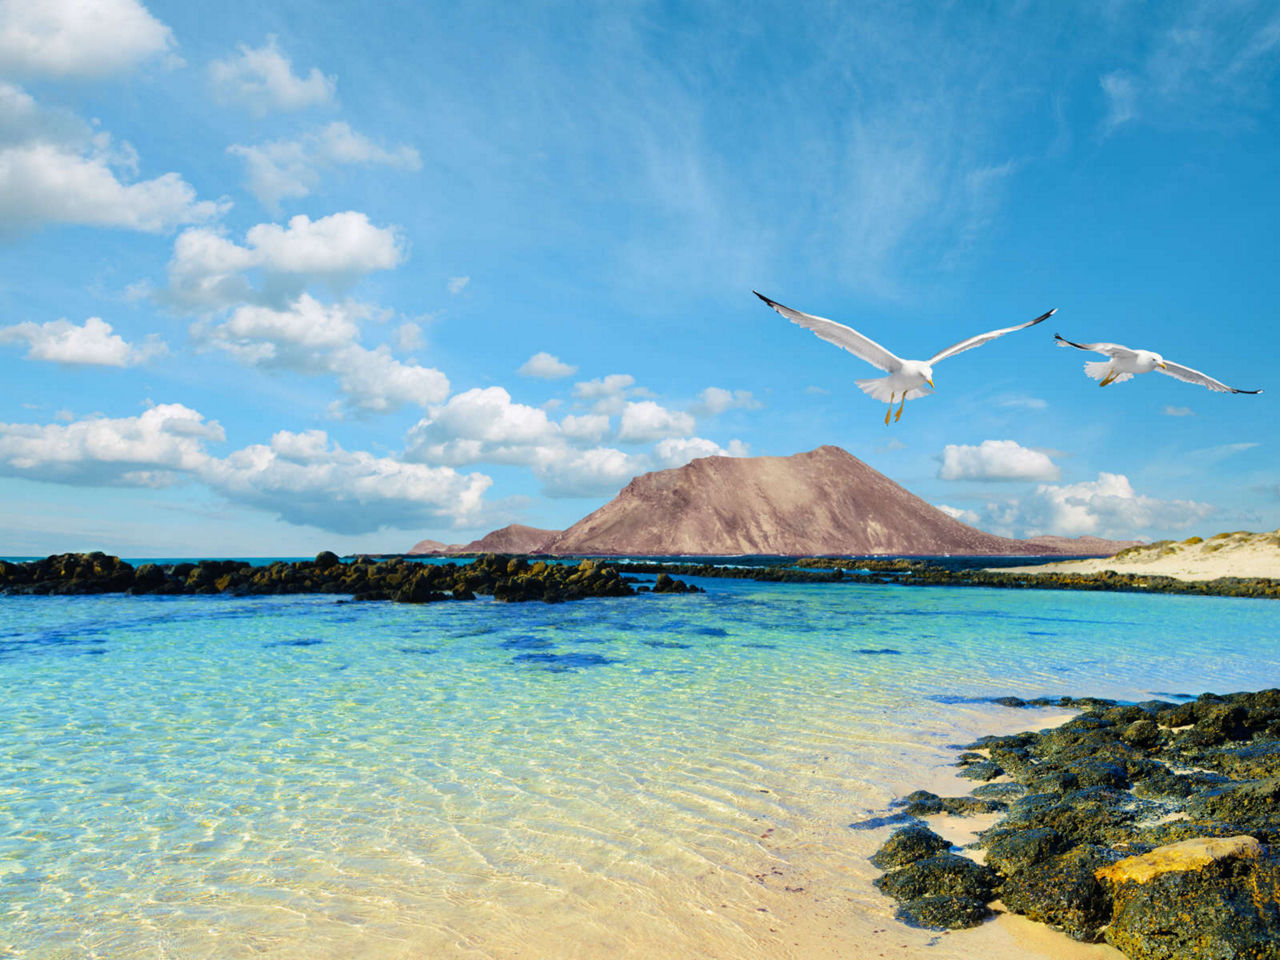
x=658, y=776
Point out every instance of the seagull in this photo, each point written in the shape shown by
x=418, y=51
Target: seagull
x=906, y=378
x=1125, y=362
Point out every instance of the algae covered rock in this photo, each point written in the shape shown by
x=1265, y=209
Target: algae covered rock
x=1012, y=851
x=1215, y=908
x=944, y=874
x=907, y=845
x=943, y=912
x=1064, y=892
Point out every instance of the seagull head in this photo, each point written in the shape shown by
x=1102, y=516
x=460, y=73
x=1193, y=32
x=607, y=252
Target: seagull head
x=1160, y=361
x=928, y=374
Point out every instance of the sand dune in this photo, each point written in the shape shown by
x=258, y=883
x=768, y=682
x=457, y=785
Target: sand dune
x=1239, y=554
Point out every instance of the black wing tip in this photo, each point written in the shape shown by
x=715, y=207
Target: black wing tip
x=1254, y=392
x=763, y=297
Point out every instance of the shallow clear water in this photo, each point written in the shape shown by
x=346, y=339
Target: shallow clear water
x=653, y=776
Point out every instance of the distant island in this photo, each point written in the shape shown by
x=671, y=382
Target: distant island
x=825, y=502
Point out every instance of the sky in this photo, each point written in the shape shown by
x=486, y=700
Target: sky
x=280, y=276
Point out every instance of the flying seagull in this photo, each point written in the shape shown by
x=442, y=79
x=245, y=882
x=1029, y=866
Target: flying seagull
x=1124, y=363
x=906, y=378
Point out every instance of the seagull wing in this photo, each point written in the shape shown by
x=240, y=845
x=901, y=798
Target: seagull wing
x=1113, y=350
x=1179, y=372
x=982, y=338
x=841, y=336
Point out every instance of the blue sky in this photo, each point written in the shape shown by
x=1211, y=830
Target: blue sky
x=290, y=276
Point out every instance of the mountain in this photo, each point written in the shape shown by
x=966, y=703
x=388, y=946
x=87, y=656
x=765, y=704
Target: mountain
x=1082, y=546
x=515, y=538
x=825, y=501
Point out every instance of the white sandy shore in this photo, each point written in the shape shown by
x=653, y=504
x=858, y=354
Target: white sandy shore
x=1224, y=555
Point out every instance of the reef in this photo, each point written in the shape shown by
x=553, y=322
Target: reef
x=506, y=579
x=1153, y=826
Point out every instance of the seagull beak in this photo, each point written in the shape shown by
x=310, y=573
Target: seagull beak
x=1162, y=365
x=929, y=380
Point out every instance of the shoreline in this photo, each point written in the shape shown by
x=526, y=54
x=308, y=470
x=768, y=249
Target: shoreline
x=1151, y=826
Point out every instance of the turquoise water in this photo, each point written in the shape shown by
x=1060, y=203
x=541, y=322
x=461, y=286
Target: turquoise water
x=650, y=776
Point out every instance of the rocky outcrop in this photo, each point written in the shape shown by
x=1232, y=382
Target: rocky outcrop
x=510, y=579
x=825, y=501
x=1154, y=826
x=428, y=548
x=513, y=538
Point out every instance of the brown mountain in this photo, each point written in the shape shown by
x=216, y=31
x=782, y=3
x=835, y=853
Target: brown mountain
x=428, y=547
x=515, y=538
x=1081, y=546
x=825, y=501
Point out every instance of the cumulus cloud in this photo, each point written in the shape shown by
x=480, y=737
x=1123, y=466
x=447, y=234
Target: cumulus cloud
x=598, y=472
x=262, y=79
x=77, y=38
x=55, y=169
x=483, y=424
x=995, y=460
x=677, y=451
x=645, y=421
x=716, y=400
x=304, y=478
x=590, y=427
x=313, y=337
x=92, y=343
x=545, y=366
x=956, y=513
x=606, y=394
x=1108, y=506
x=146, y=450
x=209, y=271
x=290, y=169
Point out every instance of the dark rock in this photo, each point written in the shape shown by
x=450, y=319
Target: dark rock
x=943, y=912
x=1142, y=733
x=1015, y=850
x=1063, y=892
x=907, y=845
x=1227, y=909
x=945, y=874
x=1000, y=791
x=921, y=803
x=985, y=770
x=972, y=806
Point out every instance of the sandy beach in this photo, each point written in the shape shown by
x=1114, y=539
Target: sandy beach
x=1240, y=554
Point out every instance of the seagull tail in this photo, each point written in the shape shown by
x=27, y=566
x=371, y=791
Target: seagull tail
x=879, y=389
x=1097, y=369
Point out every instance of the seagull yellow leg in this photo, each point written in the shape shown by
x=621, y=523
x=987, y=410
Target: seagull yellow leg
x=1111, y=375
x=900, y=406
x=889, y=411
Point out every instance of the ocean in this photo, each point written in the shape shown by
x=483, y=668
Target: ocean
x=688, y=776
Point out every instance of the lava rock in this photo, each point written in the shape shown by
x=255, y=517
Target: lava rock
x=944, y=874
x=1064, y=892
x=907, y=845
x=943, y=912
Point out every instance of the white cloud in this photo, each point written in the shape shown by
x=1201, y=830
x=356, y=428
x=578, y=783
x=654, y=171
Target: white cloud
x=677, y=451
x=995, y=460
x=483, y=424
x=307, y=479
x=77, y=38
x=289, y=169
x=144, y=450
x=55, y=169
x=964, y=516
x=589, y=427
x=313, y=337
x=1122, y=94
x=1172, y=411
x=645, y=421
x=457, y=284
x=1108, y=506
x=816, y=390
x=546, y=367
x=408, y=336
x=262, y=78
x=304, y=478
x=716, y=400
x=209, y=271
x=599, y=472
x=91, y=343
x=606, y=394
